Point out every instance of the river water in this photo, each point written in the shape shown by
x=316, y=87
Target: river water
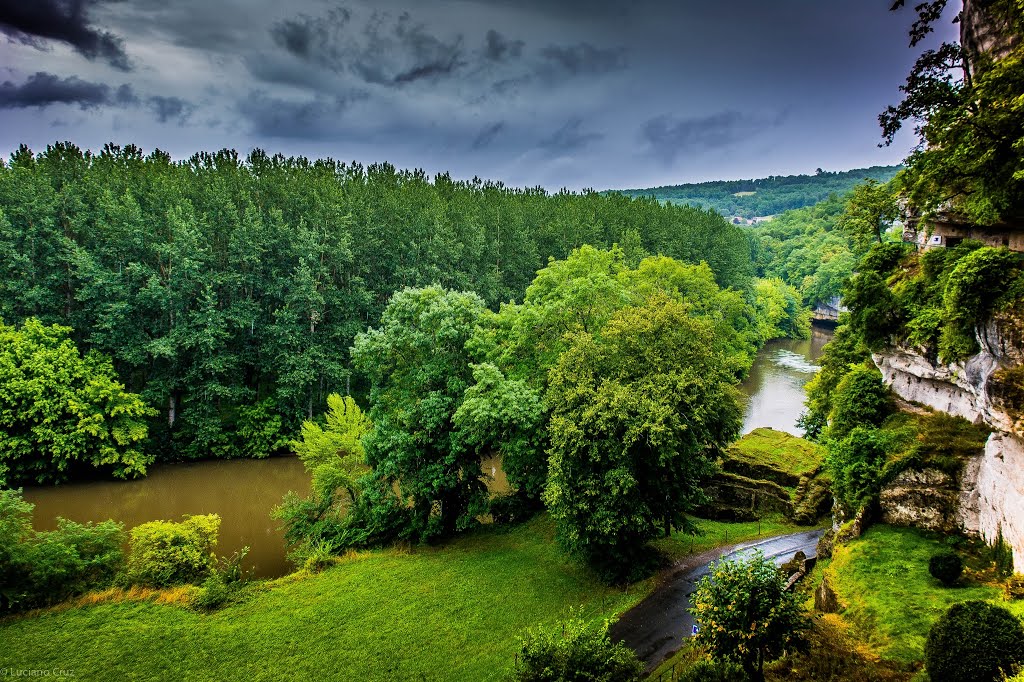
x=774, y=389
x=243, y=492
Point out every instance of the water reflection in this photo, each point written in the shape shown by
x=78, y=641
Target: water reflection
x=775, y=386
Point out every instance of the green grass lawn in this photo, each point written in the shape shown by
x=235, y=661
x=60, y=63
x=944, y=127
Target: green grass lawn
x=778, y=450
x=446, y=613
x=882, y=577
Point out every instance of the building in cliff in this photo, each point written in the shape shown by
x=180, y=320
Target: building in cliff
x=947, y=230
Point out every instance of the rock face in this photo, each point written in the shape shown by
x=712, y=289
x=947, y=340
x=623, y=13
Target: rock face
x=983, y=31
x=927, y=499
x=989, y=497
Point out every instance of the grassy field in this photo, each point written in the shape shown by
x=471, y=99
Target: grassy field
x=778, y=450
x=892, y=601
x=717, y=533
x=453, y=612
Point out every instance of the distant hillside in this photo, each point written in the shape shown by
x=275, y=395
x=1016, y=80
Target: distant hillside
x=767, y=196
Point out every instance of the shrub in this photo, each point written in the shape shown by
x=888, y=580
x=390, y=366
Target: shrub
x=855, y=464
x=165, y=553
x=713, y=671
x=974, y=641
x=579, y=652
x=41, y=568
x=946, y=567
x=746, y=614
x=861, y=399
x=213, y=593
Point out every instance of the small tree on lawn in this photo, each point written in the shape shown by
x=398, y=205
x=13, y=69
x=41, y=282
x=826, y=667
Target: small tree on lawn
x=746, y=614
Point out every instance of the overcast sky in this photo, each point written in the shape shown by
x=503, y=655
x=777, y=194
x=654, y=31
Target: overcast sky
x=575, y=93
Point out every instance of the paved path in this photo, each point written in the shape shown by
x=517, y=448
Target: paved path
x=655, y=627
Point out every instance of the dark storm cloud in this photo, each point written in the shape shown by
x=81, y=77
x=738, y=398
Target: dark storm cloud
x=486, y=136
x=34, y=22
x=170, y=108
x=569, y=138
x=43, y=89
x=315, y=119
x=388, y=50
x=585, y=59
x=498, y=48
x=670, y=137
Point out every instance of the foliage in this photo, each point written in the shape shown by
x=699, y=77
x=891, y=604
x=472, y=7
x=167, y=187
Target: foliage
x=640, y=411
x=974, y=641
x=870, y=210
x=506, y=416
x=979, y=280
x=714, y=671
x=165, y=553
x=419, y=370
x=580, y=652
x=843, y=352
x=746, y=614
x=806, y=249
x=968, y=116
x=766, y=196
x=61, y=412
x=860, y=399
x=229, y=289
x=44, y=567
x=946, y=567
x=333, y=453
x=780, y=311
x=856, y=463
x=1013, y=587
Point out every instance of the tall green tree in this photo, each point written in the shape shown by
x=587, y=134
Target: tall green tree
x=419, y=370
x=640, y=410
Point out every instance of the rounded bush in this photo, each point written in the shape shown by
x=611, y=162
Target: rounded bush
x=974, y=641
x=946, y=567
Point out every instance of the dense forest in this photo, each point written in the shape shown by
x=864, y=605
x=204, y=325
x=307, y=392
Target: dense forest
x=227, y=292
x=766, y=196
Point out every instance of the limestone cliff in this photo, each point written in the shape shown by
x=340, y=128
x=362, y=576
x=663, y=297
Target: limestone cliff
x=989, y=495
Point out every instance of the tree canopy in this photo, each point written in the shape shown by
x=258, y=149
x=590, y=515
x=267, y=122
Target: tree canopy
x=62, y=412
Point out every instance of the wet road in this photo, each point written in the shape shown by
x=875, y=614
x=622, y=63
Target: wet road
x=655, y=627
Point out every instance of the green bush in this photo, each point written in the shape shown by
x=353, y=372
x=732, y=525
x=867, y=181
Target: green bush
x=579, y=651
x=973, y=288
x=166, y=553
x=946, y=567
x=974, y=641
x=213, y=593
x=855, y=464
x=860, y=399
x=713, y=671
x=41, y=568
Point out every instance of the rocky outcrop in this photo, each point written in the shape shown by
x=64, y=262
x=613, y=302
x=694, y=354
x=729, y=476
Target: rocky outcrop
x=988, y=496
x=927, y=499
x=984, y=31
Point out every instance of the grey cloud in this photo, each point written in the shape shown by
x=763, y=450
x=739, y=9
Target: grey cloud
x=33, y=22
x=498, y=48
x=585, y=59
x=315, y=119
x=168, y=108
x=43, y=89
x=486, y=136
x=668, y=136
x=569, y=138
x=389, y=50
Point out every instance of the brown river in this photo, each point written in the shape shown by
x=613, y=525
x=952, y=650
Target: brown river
x=243, y=492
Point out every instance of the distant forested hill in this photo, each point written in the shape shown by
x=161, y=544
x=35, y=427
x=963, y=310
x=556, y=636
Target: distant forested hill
x=767, y=196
